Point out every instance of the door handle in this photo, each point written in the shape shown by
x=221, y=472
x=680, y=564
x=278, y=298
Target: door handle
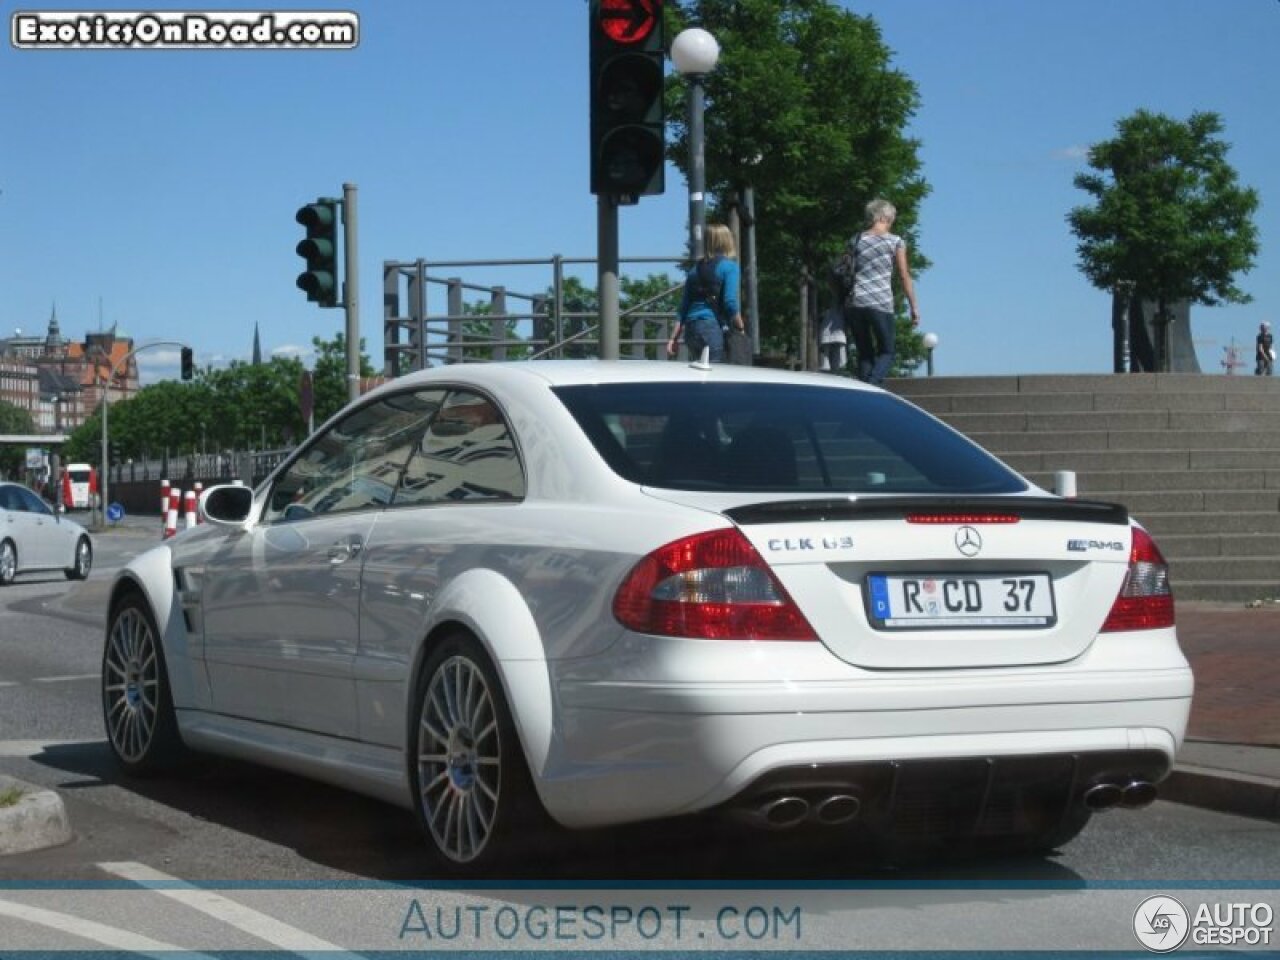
x=344, y=550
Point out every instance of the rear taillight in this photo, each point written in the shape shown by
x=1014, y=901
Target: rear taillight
x=1146, y=600
x=713, y=586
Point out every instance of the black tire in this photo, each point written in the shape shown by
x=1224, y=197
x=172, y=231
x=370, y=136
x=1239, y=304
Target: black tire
x=83, y=561
x=8, y=562
x=137, y=707
x=472, y=790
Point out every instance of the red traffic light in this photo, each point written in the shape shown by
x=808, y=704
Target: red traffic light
x=629, y=21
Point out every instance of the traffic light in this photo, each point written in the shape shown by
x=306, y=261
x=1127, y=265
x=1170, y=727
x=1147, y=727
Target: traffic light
x=188, y=364
x=320, y=249
x=628, y=140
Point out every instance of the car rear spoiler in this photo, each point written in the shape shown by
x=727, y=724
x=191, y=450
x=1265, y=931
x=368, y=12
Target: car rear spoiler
x=890, y=508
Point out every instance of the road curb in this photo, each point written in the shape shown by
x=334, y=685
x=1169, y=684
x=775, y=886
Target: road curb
x=1224, y=791
x=37, y=820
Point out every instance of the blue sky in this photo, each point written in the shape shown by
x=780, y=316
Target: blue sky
x=163, y=184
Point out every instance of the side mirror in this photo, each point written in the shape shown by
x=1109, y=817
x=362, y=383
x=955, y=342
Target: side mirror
x=227, y=504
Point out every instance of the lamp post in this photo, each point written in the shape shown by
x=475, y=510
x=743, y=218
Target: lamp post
x=695, y=53
x=930, y=341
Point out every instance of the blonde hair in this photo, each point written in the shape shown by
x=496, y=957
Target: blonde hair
x=720, y=241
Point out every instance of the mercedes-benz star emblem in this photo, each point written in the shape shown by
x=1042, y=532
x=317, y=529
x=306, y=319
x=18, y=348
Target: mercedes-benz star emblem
x=968, y=541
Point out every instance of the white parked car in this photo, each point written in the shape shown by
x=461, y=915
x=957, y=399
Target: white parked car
x=616, y=592
x=34, y=537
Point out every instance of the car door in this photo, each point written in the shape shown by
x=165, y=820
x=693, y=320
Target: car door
x=281, y=599
x=42, y=533
x=17, y=525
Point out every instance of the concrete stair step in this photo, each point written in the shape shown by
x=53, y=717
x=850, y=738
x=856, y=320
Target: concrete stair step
x=1159, y=383
x=1139, y=460
x=1247, y=569
x=1164, y=525
x=945, y=404
x=1221, y=591
x=1165, y=480
x=1143, y=502
x=1113, y=421
x=1208, y=441
x=1192, y=545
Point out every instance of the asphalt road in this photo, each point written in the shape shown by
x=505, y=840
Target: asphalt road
x=234, y=822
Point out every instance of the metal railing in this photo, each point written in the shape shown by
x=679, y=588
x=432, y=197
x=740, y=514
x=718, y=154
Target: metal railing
x=545, y=324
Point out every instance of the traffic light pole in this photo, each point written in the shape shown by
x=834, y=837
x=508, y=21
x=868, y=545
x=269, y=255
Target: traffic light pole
x=106, y=407
x=607, y=278
x=351, y=290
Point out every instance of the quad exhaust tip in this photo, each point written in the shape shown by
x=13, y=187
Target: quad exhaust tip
x=784, y=812
x=1132, y=794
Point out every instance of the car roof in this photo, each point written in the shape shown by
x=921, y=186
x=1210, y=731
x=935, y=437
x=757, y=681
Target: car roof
x=558, y=373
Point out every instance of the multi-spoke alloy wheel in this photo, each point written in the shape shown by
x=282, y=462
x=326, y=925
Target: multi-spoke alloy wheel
x=459, y=759
x=8, y=563
x=136, y=705
x=471, y=784
x=83, y=562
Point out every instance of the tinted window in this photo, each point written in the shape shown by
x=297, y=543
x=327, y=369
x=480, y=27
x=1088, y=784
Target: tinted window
x=9, y=499
x=31, y=503
x=79, y=476
x=782, y=437
x=466, y=454
x=357, y=463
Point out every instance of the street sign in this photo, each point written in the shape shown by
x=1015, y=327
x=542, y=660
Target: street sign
x=115, y=513
x=35, y=458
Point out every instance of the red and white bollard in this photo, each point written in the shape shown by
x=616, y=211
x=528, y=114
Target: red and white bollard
x=171, y=518
x=199, y=490
x=164, y=502
x=189, y=507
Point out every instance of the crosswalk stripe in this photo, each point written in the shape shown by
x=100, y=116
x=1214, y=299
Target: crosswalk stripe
x=112, y=937
x=221, y=908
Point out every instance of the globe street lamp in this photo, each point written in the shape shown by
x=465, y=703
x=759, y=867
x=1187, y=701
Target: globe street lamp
x=695, y=53
x=930, y=341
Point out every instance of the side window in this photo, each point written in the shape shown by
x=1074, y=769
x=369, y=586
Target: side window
x=467, y=454
x=356, y=464
x=9, y=499
x=33, y=504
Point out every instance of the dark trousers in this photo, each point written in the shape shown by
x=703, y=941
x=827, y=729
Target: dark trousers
x=873, y=332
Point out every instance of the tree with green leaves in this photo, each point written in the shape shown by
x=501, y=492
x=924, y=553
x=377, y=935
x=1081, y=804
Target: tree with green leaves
x=13, y=420
x=1170, y=222
x=806, y=107
x=330, y=374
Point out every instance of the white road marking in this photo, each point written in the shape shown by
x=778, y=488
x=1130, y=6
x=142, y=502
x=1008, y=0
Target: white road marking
x=221, y=908
x=112, y=937
x=75, y=676
x=33, y=748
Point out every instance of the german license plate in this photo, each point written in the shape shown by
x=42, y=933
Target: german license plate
x=945, y=601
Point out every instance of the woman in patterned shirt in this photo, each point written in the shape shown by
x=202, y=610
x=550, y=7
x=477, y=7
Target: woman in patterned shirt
x=872, y=255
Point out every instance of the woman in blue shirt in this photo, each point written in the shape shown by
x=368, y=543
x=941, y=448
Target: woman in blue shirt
x=710, y=301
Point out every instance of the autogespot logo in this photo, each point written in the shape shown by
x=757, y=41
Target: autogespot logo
x=1161, y=924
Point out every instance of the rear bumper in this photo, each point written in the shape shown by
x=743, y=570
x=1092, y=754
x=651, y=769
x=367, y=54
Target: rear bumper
x=628, y=748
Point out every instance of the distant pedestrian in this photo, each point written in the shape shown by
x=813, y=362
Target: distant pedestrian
x=832, y=338
x=709, y=307
x=1265, y=353
x=868, y=268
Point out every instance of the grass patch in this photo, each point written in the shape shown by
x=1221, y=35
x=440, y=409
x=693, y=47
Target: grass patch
x=9, y=797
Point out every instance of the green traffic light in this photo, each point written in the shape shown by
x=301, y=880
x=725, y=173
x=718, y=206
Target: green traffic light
x=320, y=249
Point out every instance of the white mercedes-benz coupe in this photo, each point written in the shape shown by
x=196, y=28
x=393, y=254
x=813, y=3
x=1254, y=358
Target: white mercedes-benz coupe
x=614, y=592
x=35, y=537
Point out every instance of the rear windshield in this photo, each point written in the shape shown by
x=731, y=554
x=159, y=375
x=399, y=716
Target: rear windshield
x=779, y=437
x=79, y=476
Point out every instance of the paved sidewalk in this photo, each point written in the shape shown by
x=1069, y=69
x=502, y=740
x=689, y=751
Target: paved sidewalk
x=1231, y=760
